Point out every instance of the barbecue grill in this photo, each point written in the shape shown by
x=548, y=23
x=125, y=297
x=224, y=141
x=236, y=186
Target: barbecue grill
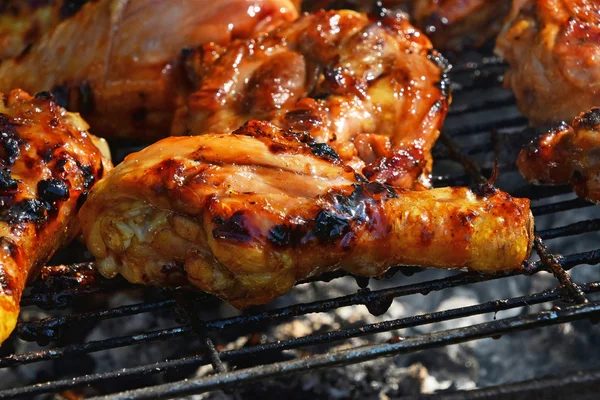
x=482, y=114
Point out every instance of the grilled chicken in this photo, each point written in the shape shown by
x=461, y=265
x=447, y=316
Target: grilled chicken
x=553, y=50
x=458, y=24
x=246, y=215
x=22, y=23
x=48, y=163
x=370, y=87
x=567, y=154
x=115, y=61
x=452, y=25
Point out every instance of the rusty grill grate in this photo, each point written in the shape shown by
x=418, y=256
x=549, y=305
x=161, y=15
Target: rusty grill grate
x=477, y=88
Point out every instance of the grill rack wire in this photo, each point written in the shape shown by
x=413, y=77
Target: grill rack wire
x=65, y=285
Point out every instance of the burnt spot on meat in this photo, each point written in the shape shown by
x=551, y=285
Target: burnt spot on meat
x=81, y=199
x=88, y=175
x=46, y=154
x=347, y=213
x=61, y=163
x=9, y=140
x=7, y=183
x=329, y=226
x=323, y=150
x=86, y=99
x=30, y=210
x=589, y=120
x=45, y=95
x=234, y=229
x=280, y=235
x=360, y=178
x=52, y=190
x=380, y=188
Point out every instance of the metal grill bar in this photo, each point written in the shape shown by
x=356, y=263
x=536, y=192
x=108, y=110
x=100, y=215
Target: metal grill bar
x=370, y=297
x=310, y=340
x=570, y=230
x=485, y=62
x=510, y=123
x=560, y=206
x=483, y=106
x=48, y=327
x=554, y=387
x=361, y=354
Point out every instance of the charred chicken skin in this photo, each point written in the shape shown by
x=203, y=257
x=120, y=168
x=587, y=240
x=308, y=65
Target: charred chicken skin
x=115, y=61
x=553, y=49
x=370, y=87
x=567, y=154
x=246, y=215
x=48, y=163
x=458, y=24
x=22, y=23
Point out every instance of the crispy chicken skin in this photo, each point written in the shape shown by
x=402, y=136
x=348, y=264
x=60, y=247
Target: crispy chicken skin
x=370, y=87
x=246, y=215
x=453, y=25
x=553, y=48
x=48, y=163
x=116, y=61
x=23, y=22
x=567, y=154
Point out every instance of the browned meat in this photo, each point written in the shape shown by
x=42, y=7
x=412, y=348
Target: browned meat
x=452, y=25
x=116, y=61
x=23, y=22
x=48, y=163
x=553, y=48
x=458, y=24
x=371, y=88
x=567, y=155
x=246, y=215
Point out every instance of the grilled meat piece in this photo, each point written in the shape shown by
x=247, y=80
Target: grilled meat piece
x=22, y=23
x=452, y=25
x=553, y=49
x=48, y=163
x=370, y=87
x=246, y=215
x=458, y=24
x=115, y=61
x=567, y=154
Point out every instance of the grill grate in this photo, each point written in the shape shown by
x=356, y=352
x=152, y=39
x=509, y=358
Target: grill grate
x=66, y=286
